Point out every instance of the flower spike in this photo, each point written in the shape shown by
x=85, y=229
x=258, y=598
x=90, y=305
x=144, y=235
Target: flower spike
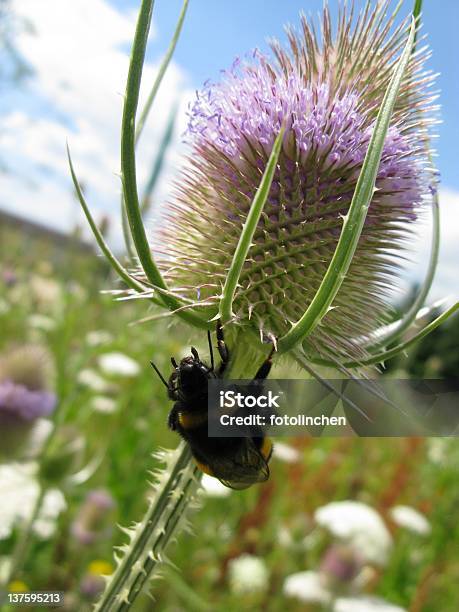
x=327, y=94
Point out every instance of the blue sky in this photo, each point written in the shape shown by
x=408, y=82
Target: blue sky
x=216, y=32
x=79, y=53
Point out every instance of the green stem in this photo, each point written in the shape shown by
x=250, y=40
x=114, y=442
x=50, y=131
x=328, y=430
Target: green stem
x=159, y=161
x=161, y=72
x=355, y=218
x=143, y=117
x=248, y=231
x=247, y=355
x=113, y=261
x=128, y=167
x=149, y=539
x=167, y=508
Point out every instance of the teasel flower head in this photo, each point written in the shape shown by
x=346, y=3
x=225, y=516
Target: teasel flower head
x=326, y=93
x=25, y=397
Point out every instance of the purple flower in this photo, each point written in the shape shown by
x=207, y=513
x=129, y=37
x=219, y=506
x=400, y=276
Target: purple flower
x=25, y=373
x=27, y=405
x=327, y=94
x=91, y=520
x=341, y=564
x=9, y=277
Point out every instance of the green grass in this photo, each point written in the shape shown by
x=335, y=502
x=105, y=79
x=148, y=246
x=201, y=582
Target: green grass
x=422, y=573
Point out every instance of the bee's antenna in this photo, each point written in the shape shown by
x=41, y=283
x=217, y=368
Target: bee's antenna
x=174, y=363
x=164, y=381
x=194, y=352
x=211, y=351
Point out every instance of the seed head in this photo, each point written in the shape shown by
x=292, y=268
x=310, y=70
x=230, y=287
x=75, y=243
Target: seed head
x=25, y=398
x=326, y=91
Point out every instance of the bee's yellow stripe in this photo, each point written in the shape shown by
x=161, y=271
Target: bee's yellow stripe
x=204, y=468
x=266, y=449
x=188, y=420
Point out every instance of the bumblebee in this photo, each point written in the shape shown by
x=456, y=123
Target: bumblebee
x=238, y=462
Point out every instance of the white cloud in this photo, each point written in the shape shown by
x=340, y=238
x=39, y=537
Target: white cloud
x=78, y=51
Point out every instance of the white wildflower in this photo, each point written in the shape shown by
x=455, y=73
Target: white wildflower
x=247, y=574
x=41, y=322
x=358, y=524
x=118, y=364
x=46, y=291
x=103, y=404
x=19, y=490
x=98, y=337
x=38, y=436
x=93, y=380
x=307, y=587
x=4, y=307
x=437, y=449
x=286, y=453
x=411, y=519
x=364, y=604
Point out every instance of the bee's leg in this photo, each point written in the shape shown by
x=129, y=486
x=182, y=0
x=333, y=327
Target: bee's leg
x=265, y=368
x=222, y=349
x=172, y=388
x=211, y=351
x=173, y=418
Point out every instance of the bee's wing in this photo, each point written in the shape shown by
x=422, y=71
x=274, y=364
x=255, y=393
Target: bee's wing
x=246, y=468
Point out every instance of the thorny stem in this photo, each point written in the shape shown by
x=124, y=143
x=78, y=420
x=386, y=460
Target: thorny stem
x=167, y=509
x=149, y=538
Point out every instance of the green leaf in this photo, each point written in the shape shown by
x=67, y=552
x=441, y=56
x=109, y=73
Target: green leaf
x=161, y=72
x=355, y=218
x=248, y=231
x=141, y=123
x=113, y=261
x=159, y=161
x=128, y=167
x=417, y=10
x=390, y=333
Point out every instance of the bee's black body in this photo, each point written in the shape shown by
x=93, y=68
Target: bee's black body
x=237, y=462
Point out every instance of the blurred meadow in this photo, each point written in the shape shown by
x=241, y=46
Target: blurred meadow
x=52, y=295
x=390, y=543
